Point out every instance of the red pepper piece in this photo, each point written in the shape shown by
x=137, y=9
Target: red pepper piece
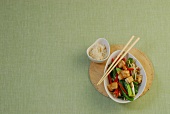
x=124, y=59
x=116, y=92
x=112, y=60
x=116, y=79
x=110, y=79
x=121, y=86
x=130, y=69
x=138, y=68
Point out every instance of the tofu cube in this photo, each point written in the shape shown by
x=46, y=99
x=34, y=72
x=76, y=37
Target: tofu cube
x=129, y=79
x=125, y=73
x=139, y=78
x=112, y=86
x=121, y=64
x=120, y=77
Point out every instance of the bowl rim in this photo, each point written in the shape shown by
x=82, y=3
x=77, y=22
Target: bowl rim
x=105, y=85
x=108, y=50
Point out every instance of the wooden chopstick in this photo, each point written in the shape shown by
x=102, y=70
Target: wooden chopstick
x=111, y=68
x=106, y=73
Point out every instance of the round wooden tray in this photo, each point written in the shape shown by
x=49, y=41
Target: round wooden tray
x=96, y=70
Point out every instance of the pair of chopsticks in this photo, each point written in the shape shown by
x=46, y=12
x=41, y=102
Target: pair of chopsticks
x=116, y=61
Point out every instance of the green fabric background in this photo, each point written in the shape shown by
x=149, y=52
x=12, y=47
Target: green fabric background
x=43, y=62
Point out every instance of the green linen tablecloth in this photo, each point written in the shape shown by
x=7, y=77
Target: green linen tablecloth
x=43, y=62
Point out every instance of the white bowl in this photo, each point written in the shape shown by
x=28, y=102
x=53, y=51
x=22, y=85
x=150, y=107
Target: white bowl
x=102, y=41
x=142, y=72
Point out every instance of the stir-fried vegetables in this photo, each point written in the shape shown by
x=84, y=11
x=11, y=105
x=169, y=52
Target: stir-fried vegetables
x=124, y=80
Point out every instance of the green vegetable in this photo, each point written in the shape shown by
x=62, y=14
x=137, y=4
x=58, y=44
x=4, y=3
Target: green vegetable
x=118, y=69
x=121, y=97
x=129, y=62
x=113, y=73
x=136, y=86
x=135, y=83
x=121, y=81
x=121, y=86
x=128, y=88
x=130, y=59
x=136, y=89
x=127, y=97
x=133, y=88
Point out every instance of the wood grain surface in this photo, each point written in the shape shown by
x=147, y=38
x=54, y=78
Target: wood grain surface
x=96, y=70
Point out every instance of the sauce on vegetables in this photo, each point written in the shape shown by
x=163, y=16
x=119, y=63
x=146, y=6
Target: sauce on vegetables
x=125, y=79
